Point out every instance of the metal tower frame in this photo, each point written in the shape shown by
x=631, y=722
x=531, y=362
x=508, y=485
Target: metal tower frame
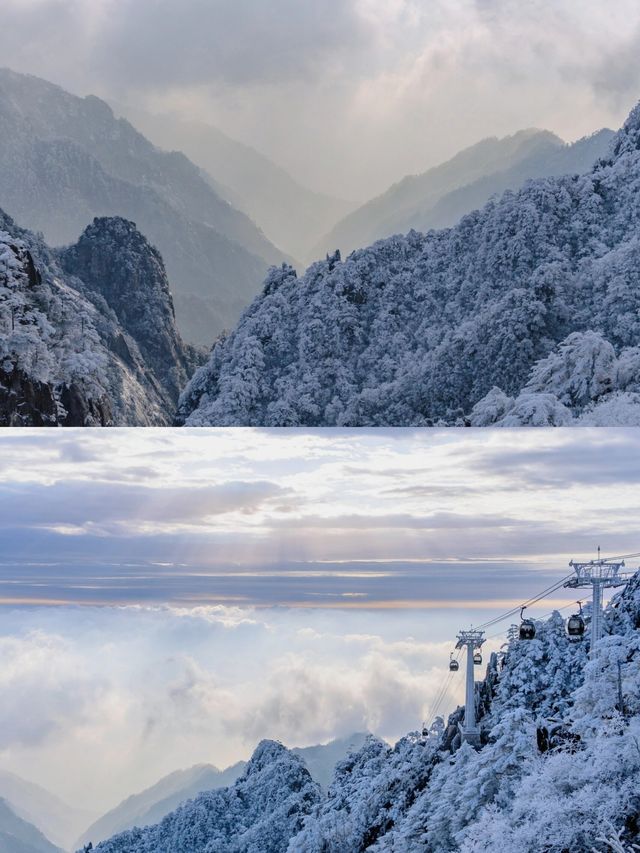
x=471, y=640
x=599, y=575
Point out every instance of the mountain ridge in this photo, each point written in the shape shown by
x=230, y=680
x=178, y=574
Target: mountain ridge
x=292, y=215
x=19, y=836
x=440, y=197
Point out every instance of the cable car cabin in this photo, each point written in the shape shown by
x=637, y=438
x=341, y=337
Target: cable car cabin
x=454, y=666
x=527, y=630
x=477, y=658
x=575, y=625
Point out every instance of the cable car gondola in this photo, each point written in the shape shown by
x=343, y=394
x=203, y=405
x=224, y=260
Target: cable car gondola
x=527, y=628
x=454, y=666
x=575, y=623
x=477, y=658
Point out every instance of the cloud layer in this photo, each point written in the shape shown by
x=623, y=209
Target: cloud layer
x=175, y=688
x=335, y=519
x=348, y=94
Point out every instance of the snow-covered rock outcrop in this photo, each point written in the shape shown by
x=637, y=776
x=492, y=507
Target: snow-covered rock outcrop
x=97, y=351
x=417, y=330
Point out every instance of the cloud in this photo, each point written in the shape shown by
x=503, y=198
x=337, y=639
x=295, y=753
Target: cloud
x=208, y=42
x=100, y=507
x=175, y=688
x=588, y=458
x=349, y=94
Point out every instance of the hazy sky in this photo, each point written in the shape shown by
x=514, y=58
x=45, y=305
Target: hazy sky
x=172, y=597
x=347, y=94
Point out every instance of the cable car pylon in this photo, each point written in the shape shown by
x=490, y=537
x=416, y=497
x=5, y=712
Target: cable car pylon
x=472, y=640
x=598, y=574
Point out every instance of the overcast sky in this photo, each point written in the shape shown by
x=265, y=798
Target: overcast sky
x=183, y=594
x=349, y=95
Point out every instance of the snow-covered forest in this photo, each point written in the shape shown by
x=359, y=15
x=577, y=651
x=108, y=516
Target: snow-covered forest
x=525, y=313
x=558, y=768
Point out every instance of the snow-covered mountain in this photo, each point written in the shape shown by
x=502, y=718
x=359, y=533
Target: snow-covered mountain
x=526, y=312
x=261, y=811
x=557, y=770
x=151, y=805
x=442, y=196
x=87, y=333
x=292, y=216
x=65, y=160
x=20, y=836
x=58, y=821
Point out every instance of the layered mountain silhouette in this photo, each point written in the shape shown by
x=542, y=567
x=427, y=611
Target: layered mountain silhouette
x=55, y=819
x=527, y=309
x=65, y=160
x=440, y=197
x=266, y=805
x=20, y=836
x=292, y=216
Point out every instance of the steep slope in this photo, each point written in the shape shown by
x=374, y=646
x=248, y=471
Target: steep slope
x=58, y=821
x=81, y=353
x=64, y=160
x=261, y=811
x=290, y=215
x=440, y=197
x=19, y=836
x=151, y=805
x=418, y=330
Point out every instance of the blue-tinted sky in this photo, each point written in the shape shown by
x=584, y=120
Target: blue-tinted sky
x=349, y=95
x=182, y=594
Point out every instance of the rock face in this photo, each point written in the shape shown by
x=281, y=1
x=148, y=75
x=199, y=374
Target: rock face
x=535, y=297
x=83, y=353
x=114, y=260
x=65, y=160
x=260, y=812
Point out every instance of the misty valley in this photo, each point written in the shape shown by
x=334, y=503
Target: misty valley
x=134, y=293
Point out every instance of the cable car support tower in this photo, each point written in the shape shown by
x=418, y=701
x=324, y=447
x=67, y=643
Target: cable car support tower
x=599, y=575
x=472, y=640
